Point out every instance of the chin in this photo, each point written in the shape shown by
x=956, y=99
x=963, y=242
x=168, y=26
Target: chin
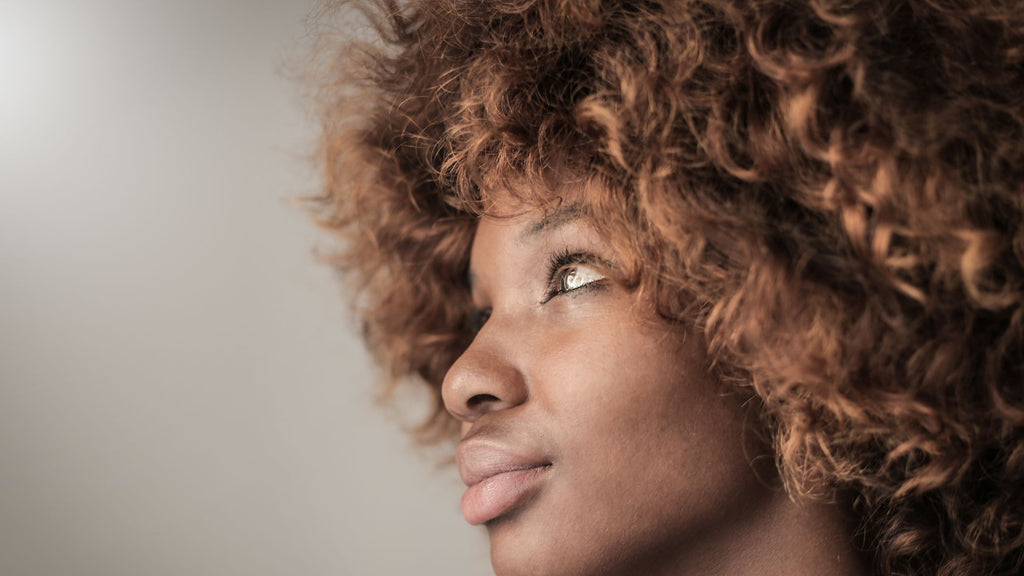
x=519, y=549
x=521, y=563
x=522, y=549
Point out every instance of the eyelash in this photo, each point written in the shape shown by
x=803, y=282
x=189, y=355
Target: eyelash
x=560, y=264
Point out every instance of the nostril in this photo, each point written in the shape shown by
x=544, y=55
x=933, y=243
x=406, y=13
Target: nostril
x=479, y=399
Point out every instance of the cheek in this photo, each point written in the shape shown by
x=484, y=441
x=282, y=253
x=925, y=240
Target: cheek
x=620, y=387
x=648, y=452
x=635, y=376
x=642, y=404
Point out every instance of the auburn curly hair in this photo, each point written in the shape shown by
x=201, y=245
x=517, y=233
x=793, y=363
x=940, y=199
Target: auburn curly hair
x=832, y=190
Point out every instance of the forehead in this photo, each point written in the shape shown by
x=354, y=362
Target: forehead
x=531, y=207
x=524, y=224
x=526, y=213
x=514, y=235
x=506, y=194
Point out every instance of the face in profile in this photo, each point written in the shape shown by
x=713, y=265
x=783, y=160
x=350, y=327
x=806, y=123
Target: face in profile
x=594, y=439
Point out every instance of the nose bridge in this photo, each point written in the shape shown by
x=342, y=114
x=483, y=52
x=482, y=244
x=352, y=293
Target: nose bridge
x=486, y=377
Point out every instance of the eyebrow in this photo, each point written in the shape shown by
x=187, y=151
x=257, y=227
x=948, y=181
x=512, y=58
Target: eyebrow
x=552, y=220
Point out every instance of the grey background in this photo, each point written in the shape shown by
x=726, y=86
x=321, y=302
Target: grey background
x=181, y=390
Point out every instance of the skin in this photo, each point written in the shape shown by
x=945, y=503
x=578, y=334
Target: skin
x=650, y=457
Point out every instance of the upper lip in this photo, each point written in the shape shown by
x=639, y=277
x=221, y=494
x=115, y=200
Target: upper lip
x=479, y=459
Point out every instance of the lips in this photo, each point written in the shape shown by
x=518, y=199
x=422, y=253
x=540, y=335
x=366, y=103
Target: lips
x=498, y=479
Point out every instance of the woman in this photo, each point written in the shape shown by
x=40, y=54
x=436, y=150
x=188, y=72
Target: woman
x=706, y=287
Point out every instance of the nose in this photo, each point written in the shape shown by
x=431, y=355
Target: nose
x=485, y=378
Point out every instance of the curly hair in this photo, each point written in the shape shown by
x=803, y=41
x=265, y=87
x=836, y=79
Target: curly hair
x=832, y=190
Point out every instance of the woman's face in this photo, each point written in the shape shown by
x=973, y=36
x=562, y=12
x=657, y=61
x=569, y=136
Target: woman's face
x=593, y=438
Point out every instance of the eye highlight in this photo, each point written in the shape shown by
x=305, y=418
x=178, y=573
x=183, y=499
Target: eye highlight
x=569, y=272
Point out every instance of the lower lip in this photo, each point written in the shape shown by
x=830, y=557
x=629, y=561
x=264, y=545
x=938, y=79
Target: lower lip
x=498, y=494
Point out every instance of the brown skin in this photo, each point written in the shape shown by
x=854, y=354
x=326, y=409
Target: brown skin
x=650, y=461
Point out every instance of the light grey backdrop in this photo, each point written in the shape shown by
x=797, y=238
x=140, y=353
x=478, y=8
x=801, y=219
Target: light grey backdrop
x=181, y=391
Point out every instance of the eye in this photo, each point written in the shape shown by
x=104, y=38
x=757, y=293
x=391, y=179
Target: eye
x=576, y=277
x=476, y=320
x=570, y=272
